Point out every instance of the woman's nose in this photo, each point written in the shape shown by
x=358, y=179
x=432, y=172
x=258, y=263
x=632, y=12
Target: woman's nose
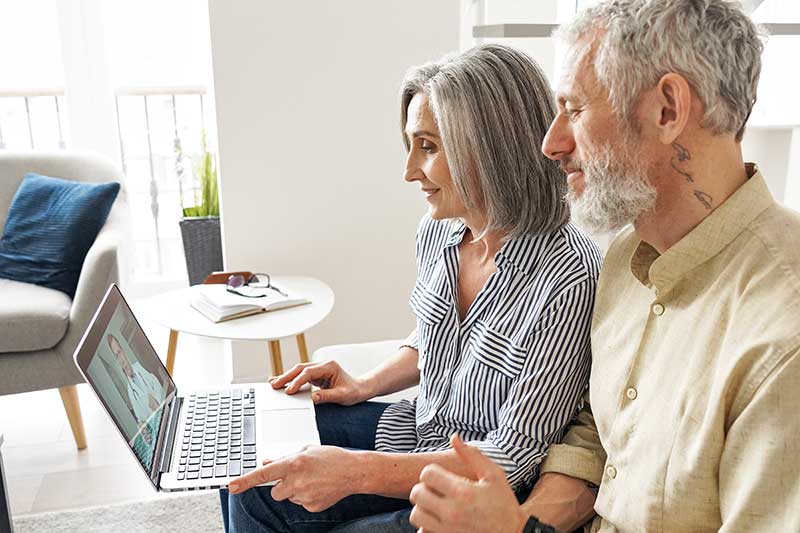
x=559, y=141
x=413, y=170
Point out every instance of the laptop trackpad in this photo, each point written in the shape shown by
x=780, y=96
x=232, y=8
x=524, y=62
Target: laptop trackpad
x=287, y=431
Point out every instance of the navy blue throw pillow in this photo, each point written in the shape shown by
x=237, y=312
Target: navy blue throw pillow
x=50, y=227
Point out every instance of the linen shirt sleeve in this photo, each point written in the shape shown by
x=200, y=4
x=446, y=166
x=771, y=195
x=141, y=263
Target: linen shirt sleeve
x=543, y=397
x=580, y=454
x=759, y=471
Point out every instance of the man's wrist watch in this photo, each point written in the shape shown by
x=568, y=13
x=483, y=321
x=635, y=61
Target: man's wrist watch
x=534, y=526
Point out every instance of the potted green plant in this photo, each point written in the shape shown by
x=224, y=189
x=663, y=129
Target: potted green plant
x=200, y=229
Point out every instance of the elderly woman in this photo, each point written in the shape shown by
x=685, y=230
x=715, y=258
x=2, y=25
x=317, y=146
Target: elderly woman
x=503, y=301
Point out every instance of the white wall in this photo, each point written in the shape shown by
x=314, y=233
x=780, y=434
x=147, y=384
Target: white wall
x=792, y=194
x=310, y=152
x=771, y=149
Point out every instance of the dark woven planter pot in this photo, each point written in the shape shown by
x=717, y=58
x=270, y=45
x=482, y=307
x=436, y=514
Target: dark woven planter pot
x=202, y=243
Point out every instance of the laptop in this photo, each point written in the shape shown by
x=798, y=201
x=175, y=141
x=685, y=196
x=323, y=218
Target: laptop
x=188, y=439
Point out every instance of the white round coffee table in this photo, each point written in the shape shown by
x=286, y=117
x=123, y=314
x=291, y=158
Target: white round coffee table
x=172, y=310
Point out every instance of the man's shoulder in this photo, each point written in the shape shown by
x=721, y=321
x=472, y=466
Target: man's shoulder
x=775, y=247
x=764, y=275
x=763, y=265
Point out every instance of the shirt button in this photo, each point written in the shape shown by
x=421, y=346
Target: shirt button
x=658, y=309
x=631, y=393
x=611, y=472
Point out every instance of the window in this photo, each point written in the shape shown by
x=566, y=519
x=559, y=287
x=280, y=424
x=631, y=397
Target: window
x=32, y=85
x=139, y=74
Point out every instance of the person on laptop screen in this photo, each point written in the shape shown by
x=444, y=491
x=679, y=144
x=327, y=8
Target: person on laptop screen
x=134, y=394
x=145, y=392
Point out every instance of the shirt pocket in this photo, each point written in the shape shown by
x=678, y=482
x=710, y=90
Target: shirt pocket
x=495, y=350
x=428, y=306
x=430, y=309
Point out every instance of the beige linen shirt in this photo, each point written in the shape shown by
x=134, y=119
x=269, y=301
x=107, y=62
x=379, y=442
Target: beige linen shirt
x=695, y=383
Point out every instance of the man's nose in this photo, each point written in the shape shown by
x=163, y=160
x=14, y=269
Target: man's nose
x=559, y=141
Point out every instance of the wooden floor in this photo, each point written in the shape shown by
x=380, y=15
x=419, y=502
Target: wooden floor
x=45, y=471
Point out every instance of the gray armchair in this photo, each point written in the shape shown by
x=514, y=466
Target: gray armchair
x=41, y=327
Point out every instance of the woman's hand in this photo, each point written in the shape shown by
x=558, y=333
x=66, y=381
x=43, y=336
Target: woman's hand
x=315, y=478
x=337, y=386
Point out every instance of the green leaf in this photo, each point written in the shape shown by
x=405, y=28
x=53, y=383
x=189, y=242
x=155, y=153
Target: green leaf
x=207, y=205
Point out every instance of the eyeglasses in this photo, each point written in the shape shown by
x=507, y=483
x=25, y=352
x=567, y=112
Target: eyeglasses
x=237, y=284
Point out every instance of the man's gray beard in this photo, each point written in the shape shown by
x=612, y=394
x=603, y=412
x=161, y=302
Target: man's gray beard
x=615, y=193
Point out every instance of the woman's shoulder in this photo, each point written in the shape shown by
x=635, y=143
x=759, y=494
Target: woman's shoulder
x=565, y=253
x=583, y=249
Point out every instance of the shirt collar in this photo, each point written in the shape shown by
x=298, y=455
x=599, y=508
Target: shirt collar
x=456, y=233
x=713, y=234
x=521, y=252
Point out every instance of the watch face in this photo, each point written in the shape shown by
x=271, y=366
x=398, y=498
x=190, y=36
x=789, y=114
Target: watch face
x=534, y=526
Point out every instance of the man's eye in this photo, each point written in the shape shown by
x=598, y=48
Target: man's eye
x=573, y=113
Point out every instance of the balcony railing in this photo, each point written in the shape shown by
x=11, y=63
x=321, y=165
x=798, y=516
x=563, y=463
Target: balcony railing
x=32, y=118
x=160, y=130
x=157, y=127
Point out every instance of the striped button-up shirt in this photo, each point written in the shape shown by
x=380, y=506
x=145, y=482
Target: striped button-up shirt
x=509, y=377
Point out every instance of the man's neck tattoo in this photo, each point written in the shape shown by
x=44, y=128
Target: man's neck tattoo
x=703, y=198
x=682, y=155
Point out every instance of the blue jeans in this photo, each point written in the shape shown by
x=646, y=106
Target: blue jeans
x=348, y=427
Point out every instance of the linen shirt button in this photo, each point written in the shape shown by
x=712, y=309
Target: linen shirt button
x=631, y=393
x=658, y=309
x=611, y=472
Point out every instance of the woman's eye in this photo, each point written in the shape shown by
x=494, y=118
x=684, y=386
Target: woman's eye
x=428, y=146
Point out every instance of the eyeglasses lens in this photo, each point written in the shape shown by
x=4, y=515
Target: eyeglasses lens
x=235, y=281
x=259, y=280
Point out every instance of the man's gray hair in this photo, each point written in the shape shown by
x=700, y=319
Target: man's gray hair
x=493, y=106
x=711, y=43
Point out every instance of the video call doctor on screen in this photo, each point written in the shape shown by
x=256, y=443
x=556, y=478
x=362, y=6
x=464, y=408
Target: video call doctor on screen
x=144, y=389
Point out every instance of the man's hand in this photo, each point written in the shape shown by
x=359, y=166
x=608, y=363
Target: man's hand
x=337, y=385
x=315, y=478
x=562, y=501
x=444, y=501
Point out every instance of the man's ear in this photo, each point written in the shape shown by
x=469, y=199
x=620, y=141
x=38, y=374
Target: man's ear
x=668, y=107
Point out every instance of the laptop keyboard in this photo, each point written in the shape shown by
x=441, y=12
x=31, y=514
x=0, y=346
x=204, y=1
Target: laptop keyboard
x=219, y=438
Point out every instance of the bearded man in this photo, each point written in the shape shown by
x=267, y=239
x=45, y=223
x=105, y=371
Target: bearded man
x=695, y=380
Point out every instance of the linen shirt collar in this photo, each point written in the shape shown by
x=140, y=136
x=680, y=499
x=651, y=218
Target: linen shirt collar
x=516, y=251
x=713, y=234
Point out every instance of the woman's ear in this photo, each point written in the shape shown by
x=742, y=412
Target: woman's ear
x=667, y=107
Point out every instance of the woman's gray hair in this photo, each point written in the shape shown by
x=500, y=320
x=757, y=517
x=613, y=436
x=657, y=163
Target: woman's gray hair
x=711, y=43
x=493, y=106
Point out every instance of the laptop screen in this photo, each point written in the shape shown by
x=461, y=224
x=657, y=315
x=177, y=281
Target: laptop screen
x=127, y=375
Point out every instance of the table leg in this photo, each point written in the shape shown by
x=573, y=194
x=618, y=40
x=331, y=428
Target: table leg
x=171, y=348
x=275, y=354
x=302, y=348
